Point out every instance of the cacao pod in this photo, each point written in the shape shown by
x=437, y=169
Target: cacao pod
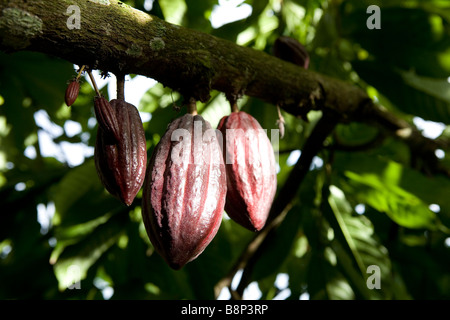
x=184, y=191
x=106, y=117
x=289, y=49
x=121, y=164
x=72, y=92
x=251, y=170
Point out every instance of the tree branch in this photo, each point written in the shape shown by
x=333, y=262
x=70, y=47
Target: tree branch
x=420, y=146
x=117, y=38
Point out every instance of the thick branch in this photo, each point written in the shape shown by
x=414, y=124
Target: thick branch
x=115, y=37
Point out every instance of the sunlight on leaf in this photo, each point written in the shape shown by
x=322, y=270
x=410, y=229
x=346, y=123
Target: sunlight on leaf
x=75, y=260
x=400, y=205
x=173, y=10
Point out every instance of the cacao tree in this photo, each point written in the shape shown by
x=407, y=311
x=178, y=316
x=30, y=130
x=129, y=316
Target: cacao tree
x=361, y=208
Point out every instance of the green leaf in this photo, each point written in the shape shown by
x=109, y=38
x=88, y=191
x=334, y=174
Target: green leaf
x=75, y=260
x=428, y=98
x=197, y=14
x=30, y=71
x=357, y=234
x=425, y=37
x=278, y=245
x=75, y=184
x=173, y=10
x=355, y=134
x=402, y=193
x=400, y=205
x=437, y=88
x=80, y=197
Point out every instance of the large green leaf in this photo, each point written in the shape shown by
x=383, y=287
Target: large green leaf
x=71, y=266
x=173, y=11
x=355, y=134
x=81, y=198
x=30, y=72
x=402, y=193
x=402, y=207
x=417, y=95
x=424, y=34
x=357, y=246
x=411, y=73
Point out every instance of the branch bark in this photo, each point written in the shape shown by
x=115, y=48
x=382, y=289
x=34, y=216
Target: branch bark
x=115, y=37
x=118, y=38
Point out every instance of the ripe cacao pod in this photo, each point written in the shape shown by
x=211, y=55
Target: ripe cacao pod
x=106, y=117
x=121, y=164
x=72, y=92
x=184, y=190
x=251, y=170
x=289, y=49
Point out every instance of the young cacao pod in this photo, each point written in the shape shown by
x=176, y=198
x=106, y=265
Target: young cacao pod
x=106, y=117
x=184, y=190
x=289, y=49
x=72, y=92
x=251, y=170
x=121, y=163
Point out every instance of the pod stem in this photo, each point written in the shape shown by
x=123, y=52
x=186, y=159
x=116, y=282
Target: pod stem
x=232, y=98
x=192, y=106
x=80, y=72
x=280, y=122
x=94, y=83
x=120, y=87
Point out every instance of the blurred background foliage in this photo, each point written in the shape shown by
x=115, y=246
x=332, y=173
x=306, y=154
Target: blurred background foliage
x=356, y=208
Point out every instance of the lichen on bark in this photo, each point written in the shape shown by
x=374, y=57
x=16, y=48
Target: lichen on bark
x=18, y=27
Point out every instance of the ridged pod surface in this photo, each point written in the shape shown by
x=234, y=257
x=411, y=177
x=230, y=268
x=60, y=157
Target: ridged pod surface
x=106, y=117
x=184, y=191
x=251, y=170
x=121, y=164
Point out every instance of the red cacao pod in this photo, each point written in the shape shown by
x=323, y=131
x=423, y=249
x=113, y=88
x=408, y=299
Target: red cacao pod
x=121, y=164
x=184, y=191
x=106, y=118
x=251, y=170
x=72, y=92
x=289, y=49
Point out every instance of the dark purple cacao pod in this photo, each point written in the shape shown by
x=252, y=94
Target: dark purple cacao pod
x=72, y=92
x=184, y=190
x=251, y=170
x=106, y=118
x=121, y=164
x=289, y=49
